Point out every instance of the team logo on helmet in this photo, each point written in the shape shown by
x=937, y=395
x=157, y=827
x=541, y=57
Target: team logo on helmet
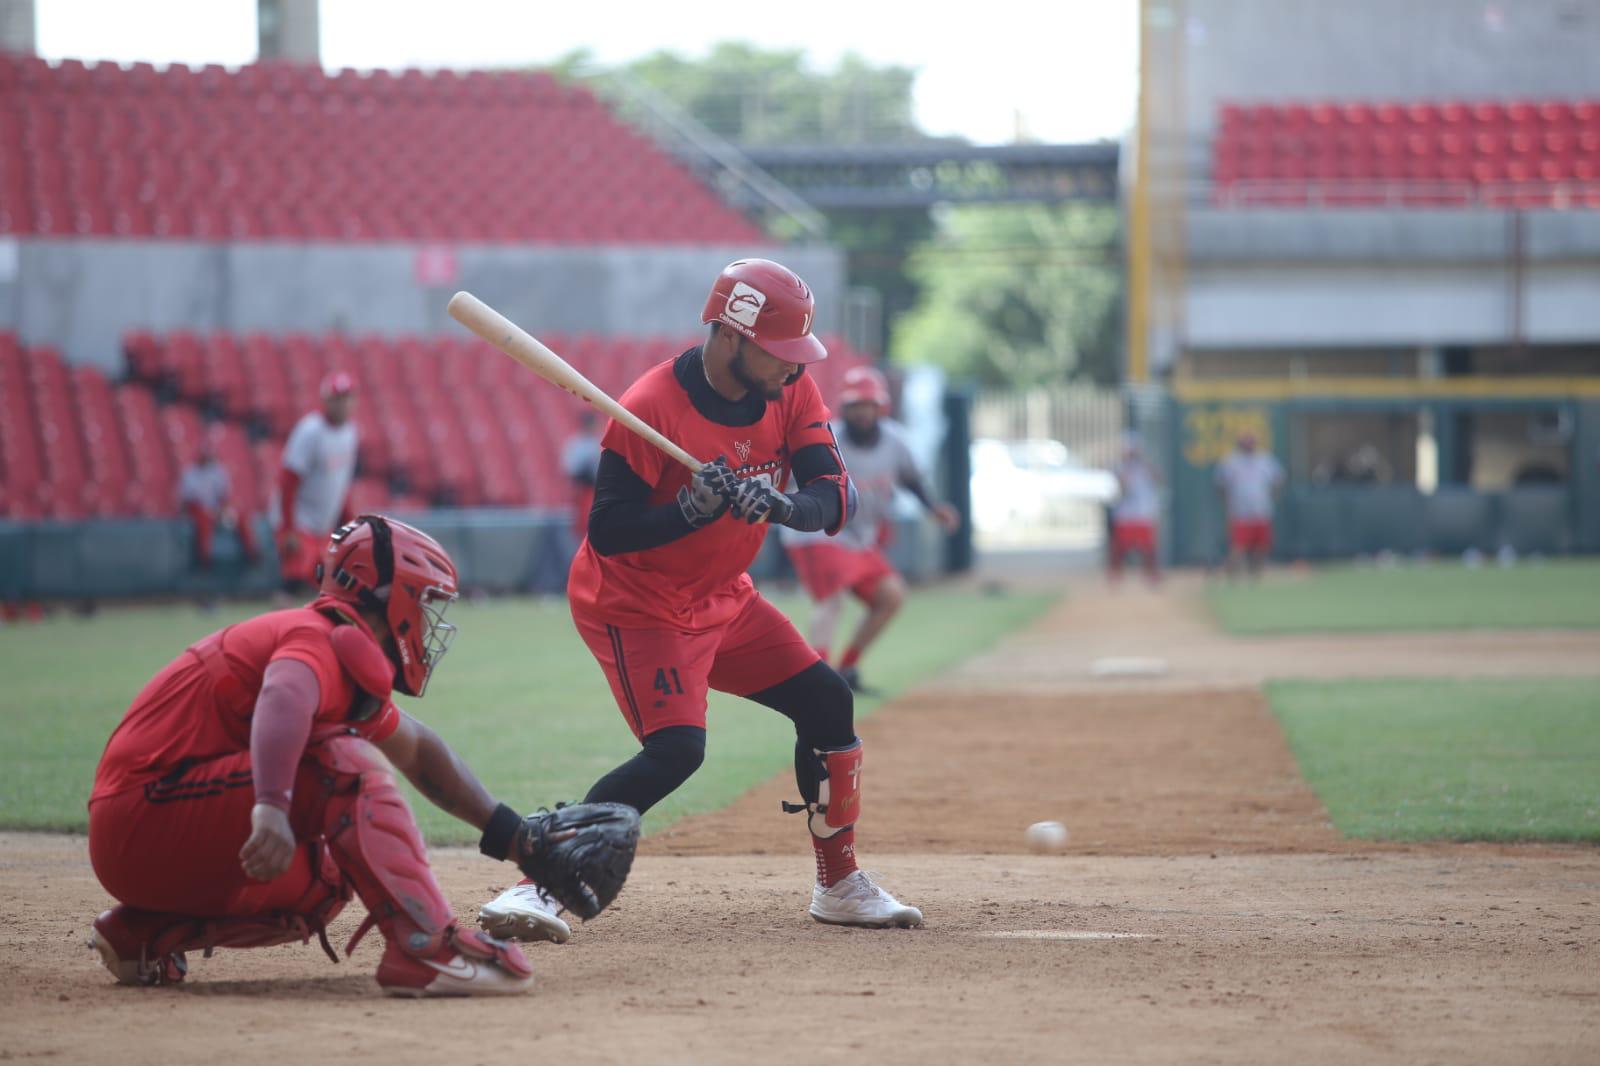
x=744, y=305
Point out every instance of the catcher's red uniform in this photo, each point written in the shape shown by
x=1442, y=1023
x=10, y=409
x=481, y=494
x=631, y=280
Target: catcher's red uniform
x=173, y=792
x=672, y=621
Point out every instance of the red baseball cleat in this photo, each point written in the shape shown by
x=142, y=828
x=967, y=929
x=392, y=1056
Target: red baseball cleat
x=466, y=964
x=122, y=936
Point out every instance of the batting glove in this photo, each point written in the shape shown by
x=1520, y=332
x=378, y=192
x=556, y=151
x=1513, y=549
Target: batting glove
x=756, y=501
x=709, y=492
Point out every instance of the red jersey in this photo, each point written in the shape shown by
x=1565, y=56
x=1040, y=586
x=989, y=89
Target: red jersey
x=200, y=705
x=697, y=582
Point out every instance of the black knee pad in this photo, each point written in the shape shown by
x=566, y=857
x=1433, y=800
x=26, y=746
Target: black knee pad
x=679, y=749
x=819, y=703
x=668, y=758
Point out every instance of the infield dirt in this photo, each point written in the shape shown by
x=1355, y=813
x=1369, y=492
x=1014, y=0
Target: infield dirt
x=1249, y=931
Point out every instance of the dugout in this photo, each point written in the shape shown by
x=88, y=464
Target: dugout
x=1406, y=466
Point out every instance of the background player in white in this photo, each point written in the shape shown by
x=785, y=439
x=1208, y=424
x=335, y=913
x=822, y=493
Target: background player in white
x=879, y=460
x=319, y=463
x=1248, y=479
x=1136, y=512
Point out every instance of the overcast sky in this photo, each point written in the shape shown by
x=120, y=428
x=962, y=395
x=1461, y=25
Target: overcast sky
x=1069, y=68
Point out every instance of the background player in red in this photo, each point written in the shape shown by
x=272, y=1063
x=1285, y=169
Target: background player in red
x=1136, y=512
x=1248, y=480
x=244, y=797
x=880, y=461
x=659, y=591
x=319, y=463
x=203, y=491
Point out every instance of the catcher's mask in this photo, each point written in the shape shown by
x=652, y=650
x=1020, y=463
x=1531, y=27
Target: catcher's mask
x=402, y=573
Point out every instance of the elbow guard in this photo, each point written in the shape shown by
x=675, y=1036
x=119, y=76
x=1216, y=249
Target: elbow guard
x=847, y=500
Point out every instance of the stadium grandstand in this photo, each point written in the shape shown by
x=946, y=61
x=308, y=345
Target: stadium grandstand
x=460, y=425
x=190, y=251
x=284, y=151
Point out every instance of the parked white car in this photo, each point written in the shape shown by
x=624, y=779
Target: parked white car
x=1020, y=485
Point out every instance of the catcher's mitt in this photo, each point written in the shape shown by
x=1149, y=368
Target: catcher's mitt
x=579, y=853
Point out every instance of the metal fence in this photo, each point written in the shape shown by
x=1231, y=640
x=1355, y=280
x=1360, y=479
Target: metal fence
x=1088, y=420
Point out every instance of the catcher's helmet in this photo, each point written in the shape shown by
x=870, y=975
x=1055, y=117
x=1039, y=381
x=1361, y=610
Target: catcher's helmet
x=769, y=304
x=864, y=384
x=400, y=571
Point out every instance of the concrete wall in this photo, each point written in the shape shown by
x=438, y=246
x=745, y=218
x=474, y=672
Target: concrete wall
x=289, y=29
x=1243, y=51
x=1309, y=278
x=82, y=295
x=1313, y=306
x=17, y=26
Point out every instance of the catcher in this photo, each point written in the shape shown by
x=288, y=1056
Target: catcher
x=248, y=793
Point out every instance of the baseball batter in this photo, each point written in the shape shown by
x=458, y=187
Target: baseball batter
x=1248, y=480
x=880, y=461
x=659, y=591
x=246, y=794
x=319, y=463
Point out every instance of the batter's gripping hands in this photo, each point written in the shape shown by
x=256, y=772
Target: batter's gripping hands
x=708, y=493
x=579, y=853
x=756, y=501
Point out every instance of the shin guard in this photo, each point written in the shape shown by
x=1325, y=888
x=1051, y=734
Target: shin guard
x=374, y=839
x=830, y=784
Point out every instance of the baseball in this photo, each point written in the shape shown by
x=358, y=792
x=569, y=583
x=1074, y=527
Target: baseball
x=1046, y=838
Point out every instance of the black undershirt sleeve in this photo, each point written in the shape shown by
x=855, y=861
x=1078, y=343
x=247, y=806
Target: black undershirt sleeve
x=816, y=505
x=622, y=519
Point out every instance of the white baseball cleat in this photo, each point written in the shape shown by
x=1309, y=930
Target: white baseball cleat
x=524, y=912
x=857, y=901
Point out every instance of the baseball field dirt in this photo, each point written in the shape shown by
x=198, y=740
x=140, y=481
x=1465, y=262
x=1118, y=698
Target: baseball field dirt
x=1205, y=910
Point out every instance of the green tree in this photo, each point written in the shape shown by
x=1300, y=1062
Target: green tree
x=756, y=96
x=1017, y=294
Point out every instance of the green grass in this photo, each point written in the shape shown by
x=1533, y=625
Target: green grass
x=1426, y=596
x=1456, y=760
x=520, y=697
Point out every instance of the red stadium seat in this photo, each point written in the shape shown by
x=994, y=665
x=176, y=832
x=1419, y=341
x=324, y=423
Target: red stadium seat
x=282, y=150
x=441, y=421
x=1518, y=153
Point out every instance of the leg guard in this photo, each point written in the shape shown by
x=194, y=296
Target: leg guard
x=830, y=784
x=375, y=842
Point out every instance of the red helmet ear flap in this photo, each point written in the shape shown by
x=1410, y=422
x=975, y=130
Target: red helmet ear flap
x=363, y=660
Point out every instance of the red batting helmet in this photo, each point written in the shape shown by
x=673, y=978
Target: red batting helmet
x=338, y=383
x=400, y=571
x=769, y=304
x=864, y=384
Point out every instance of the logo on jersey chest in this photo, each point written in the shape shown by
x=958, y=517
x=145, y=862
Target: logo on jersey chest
x=742, y=450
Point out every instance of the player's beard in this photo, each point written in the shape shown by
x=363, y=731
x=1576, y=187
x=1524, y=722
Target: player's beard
x=866, y=438
x=741, y=373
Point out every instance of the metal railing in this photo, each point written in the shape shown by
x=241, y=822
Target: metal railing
x=730, y=171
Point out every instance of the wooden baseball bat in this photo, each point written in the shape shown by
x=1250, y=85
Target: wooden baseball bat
x=526, y=349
